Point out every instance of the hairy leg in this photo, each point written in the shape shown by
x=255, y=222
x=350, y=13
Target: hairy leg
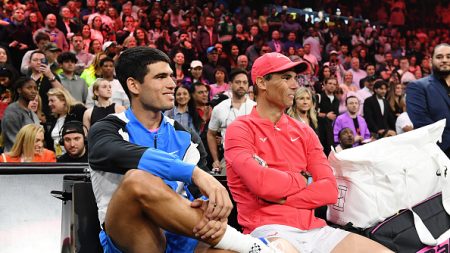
x=143, y=205
x=356, y=243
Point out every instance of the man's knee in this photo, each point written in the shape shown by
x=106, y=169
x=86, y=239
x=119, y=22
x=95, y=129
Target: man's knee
x=139, y=184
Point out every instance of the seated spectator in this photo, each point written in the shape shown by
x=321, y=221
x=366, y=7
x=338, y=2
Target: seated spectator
x=6, y=63
x=95, y=47
x=377, y=112
x=17, y=114
x=184, y=110
x=75, y=143
x=221, y=85
x=41, y=40
x=84, y=58
x=223, y=114
x=35, y=105
x=45, y=79
x=93, y=71
x=346, y=139
x=102, y=93
x=73, y=83
x=403, y=123
x=179, y=68
x=87, y=39
x=51, y=53
x=195, y=74
x=29, y=146
x=64, y=108
x=118, y=94
x=351, y=119
x=396, y=98
x=303, y=108
x=6, y=89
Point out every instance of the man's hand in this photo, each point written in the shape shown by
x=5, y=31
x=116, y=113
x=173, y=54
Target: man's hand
x=206, y=227
x=219, y=205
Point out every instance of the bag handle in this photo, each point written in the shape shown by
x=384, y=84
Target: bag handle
x=423, y=232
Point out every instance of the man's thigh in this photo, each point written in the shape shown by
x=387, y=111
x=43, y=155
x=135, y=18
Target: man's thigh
x=125, y=222
x=315, y=240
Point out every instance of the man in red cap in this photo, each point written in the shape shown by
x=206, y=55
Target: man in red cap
x=267, y=152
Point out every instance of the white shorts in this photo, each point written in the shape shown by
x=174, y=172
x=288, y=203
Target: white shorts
x=319, y=240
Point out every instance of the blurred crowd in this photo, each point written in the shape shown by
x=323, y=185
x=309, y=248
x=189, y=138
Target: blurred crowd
x=57, y=64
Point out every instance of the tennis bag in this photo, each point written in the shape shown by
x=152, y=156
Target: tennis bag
x=399, y=233
x=378, y=179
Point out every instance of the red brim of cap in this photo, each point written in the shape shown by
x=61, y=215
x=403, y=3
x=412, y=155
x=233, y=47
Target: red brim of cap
x=298, y=67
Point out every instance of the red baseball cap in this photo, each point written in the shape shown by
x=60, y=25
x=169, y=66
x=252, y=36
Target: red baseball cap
x=275, y=62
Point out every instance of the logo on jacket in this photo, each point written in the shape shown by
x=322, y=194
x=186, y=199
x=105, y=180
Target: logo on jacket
x=263, y=139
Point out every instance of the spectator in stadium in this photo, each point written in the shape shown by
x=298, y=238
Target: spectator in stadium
x=86, y=34
x=221, y=85
x=56, y=36
x=427, y=98
x=357, y=73
x=207, y=36
x=211, y=64
x=73, y=83
x=119, y=96
x=35, y=105
x=226, y=112
x=51, y=53
x=64, y=108
x=17, y=114
x=184, y=111
x=377, y=112
x=93, y=71
x=6, y=63
x=29, y=146
x=45, y=79
x=102, y=93
x=141, y=37
x=351, y=119
x=17, y=36
x=303, y=108
x=346, y=139
x=195, y=74
x=96, y=29
x=179, y=67
x=396, y=98
x=74, y=142
x=84, y=58
x=95, y=47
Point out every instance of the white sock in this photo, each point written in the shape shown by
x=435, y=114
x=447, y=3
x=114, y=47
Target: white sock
x=236, y=241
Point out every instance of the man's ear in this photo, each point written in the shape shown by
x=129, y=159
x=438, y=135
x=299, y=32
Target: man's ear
x=133, y=86
x=261, y=83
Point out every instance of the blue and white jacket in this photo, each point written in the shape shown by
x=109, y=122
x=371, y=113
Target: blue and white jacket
x=120, y=142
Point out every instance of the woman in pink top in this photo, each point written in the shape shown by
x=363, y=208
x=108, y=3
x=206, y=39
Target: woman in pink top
x=221, y=85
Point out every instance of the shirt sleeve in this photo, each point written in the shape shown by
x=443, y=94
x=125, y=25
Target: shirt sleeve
x=264, y=182
x=214, y=122
x=323, y=189
x=110, y=152
x=416, y=105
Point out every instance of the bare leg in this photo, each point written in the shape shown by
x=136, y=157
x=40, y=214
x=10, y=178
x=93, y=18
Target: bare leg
x=356, y=243
x=143, y=205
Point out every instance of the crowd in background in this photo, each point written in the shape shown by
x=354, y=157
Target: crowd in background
x=57, y=62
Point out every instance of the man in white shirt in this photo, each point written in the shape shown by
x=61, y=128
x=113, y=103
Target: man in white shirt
x=226, y=112
x=357, y=73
